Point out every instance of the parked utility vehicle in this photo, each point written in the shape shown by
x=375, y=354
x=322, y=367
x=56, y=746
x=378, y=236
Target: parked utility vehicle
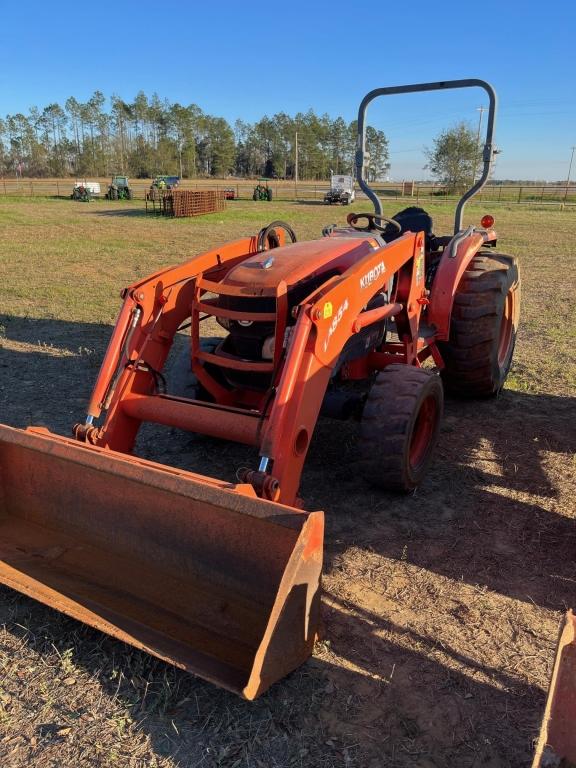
x=341, y=190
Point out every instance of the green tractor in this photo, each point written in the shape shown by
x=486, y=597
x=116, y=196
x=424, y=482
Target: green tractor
x=262, y=191
x=119, y=189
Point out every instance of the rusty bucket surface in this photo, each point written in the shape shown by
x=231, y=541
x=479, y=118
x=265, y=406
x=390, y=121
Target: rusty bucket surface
x=196, y=571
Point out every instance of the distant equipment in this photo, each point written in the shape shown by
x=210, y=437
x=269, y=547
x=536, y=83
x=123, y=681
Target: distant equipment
x=84, y=191
x=119, y=189
x=341, y=190
x=262, y=191
x=165, y=182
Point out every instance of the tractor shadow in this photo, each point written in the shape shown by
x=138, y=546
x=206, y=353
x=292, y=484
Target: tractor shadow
x=495, y=510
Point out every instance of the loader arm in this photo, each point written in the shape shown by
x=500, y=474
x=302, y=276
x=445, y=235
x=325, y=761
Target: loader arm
x=152, y=312
x=326, y=320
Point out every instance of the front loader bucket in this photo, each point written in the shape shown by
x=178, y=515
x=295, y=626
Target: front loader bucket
x=196, y=571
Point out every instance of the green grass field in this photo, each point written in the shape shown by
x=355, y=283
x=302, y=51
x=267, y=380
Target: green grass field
x=441, y=608
x=68, y=261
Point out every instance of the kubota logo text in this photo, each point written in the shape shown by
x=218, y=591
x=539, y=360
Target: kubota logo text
x=372, y=275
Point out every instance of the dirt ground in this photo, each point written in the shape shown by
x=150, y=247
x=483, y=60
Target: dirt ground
x=441, y=609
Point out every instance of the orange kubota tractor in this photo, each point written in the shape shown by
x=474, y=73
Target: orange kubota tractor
x=220, y=578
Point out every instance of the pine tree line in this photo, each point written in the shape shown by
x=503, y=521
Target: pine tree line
x=150, y=136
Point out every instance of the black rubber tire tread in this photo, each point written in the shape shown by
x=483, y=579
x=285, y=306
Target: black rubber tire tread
x=387, y=424
x=471, y=354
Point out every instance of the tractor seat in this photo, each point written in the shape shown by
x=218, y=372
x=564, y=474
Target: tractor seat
x=412, y=219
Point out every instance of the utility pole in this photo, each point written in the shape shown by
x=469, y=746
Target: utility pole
x=569, y=172
x=296, y=158
x=481, y=110
x=296, y=166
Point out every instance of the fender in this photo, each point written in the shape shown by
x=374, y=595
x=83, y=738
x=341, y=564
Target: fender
x=454, y=261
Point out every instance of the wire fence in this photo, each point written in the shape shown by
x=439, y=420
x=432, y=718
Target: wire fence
x=545, y=194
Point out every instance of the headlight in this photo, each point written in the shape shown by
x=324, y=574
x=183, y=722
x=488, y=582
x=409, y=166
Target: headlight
x=268, y=348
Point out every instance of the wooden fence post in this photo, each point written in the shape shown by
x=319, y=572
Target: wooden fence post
x=520, y=194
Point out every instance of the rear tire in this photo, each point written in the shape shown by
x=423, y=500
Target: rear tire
x=400, y=426
x=269, y=195
x=483, y=327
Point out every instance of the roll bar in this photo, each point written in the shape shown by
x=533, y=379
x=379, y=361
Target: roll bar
x=487, y=154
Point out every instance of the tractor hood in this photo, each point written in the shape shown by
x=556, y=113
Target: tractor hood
x=297, y=262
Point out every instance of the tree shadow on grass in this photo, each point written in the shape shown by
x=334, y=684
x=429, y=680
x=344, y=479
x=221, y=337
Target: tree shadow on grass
x=129, y=213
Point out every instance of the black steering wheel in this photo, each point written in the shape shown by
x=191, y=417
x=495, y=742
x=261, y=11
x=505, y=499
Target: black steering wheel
x=352, y=219
x=267, y=237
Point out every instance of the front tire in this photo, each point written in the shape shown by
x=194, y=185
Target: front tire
x=483, y=327
x=400, y=426
x=181, y=380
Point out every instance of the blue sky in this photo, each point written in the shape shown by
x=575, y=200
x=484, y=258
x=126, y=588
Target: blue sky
x=246, y=59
